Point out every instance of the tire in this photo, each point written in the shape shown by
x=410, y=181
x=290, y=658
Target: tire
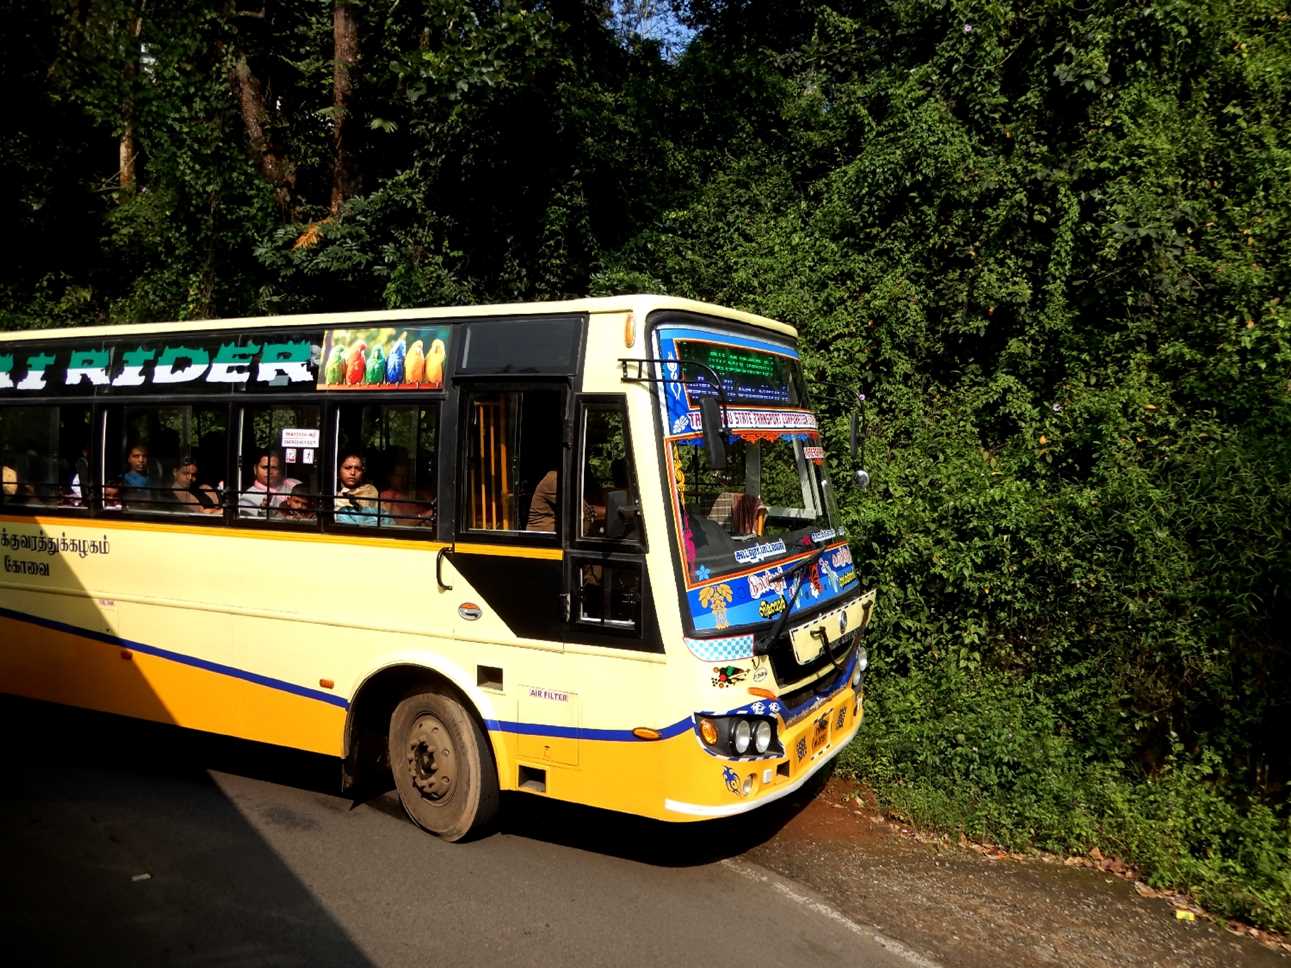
x=443, y=766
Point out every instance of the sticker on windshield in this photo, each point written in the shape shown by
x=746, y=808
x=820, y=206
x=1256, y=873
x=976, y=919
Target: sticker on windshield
x=816, y=454
x=759, y=552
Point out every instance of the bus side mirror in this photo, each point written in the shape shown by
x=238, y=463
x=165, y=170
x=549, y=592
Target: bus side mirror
x=714, y=439
x=620, y=515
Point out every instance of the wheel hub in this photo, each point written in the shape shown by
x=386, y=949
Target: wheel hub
x=431, y=758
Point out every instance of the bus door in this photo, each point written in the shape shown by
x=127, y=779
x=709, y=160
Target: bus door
x=607, y=596
x=506, y=541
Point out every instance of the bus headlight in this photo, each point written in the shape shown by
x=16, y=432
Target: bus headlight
x=862, y=663
x=741, y=736
x=738, y=735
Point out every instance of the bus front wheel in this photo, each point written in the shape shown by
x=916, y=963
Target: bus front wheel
x=443, y=766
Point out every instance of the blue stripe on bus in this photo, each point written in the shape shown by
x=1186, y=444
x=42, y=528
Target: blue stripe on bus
x=681, y=332
x=187, y=660
x=579, y=732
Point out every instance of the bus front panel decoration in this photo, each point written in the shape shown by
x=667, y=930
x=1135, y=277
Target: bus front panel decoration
x=522, y=634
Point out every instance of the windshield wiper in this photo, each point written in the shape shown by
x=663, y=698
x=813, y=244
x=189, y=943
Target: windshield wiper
x=763, y=644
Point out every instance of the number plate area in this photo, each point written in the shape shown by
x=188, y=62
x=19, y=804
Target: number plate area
x=820, y=734
x=805, y=638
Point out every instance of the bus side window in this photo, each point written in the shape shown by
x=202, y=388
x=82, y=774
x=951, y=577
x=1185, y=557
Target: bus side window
x=279, y=451
x=44, y=454
x=608, y=507
x=166, y=457
x=385, y=469
x=513, y=460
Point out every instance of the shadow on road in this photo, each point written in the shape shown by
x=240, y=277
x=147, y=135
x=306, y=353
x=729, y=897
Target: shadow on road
x=119, y=848
x=651, y=841
x=136, y=750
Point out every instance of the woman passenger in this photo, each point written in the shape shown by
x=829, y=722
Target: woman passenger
x=356, y=500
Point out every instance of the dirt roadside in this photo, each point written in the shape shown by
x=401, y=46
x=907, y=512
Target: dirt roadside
x=968, y=909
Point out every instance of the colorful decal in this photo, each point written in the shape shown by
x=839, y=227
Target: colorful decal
x=802, y=748
x=813, y=453
x=385, y=358
x=732, y=780
x=753, y=424
x=755, y=372
x=715, y=598
x=820, y=537
x=725, y=676
x=764, y=594
x=187, y=362
x=721, y=650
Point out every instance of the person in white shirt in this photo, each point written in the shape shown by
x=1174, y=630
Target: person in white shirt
x=269, y=489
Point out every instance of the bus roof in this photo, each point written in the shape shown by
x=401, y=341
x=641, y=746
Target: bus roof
x=641, y=304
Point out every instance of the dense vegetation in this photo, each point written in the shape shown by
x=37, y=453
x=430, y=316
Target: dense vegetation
x=1050, y=242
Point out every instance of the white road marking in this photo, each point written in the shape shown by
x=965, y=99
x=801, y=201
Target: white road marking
x=791, y=891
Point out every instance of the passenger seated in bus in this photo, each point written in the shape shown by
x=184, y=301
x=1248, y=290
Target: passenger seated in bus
x=740, y=514
x=356, y=500
x=110, y=495
x=400, y=506
x=542, y=506
x=299, y=505
x=14, y=490
x=137, y=477
x=269, y=489
x=188, y=494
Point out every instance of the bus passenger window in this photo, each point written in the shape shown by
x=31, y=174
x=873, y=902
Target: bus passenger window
x=513, y=460
x=44, y=454
x=165, y=458
x=385, y=471
x=278, y=451
x=609, y=594
x=606, y=481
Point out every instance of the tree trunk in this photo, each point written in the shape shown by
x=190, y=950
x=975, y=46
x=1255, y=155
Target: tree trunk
x=126, y=170
x=277, y=170
x=345, y=39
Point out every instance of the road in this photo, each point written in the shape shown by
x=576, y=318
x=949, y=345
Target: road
x=126, y=843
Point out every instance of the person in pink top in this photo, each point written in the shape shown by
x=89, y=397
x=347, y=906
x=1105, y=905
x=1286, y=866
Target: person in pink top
x=269, y=489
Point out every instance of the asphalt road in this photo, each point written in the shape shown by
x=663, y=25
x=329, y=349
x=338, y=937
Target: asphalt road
x=126, y=843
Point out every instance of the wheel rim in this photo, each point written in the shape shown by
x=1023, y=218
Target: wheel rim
x=432, y=759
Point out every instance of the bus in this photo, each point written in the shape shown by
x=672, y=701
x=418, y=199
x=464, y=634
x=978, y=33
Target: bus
x=586, y=550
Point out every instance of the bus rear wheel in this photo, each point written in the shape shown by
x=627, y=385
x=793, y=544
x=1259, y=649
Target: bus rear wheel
x=443, y=767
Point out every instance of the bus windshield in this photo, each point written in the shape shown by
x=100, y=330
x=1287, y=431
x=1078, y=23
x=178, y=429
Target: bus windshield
x=740, y=527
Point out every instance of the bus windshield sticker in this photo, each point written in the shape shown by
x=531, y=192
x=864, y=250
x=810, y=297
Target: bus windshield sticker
x=385, y=358
x=198, y=363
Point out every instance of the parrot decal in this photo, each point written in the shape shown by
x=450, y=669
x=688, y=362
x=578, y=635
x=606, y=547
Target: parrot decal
x=395, y=364
x=435, y=364
x=414, y=367
x=354, y=366
x=376, y=366
x=335, y=373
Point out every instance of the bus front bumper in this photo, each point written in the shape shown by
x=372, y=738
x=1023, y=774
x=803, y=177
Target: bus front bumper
x=727, y=786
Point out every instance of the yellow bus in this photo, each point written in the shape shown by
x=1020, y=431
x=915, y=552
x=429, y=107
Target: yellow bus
x=587, y=550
